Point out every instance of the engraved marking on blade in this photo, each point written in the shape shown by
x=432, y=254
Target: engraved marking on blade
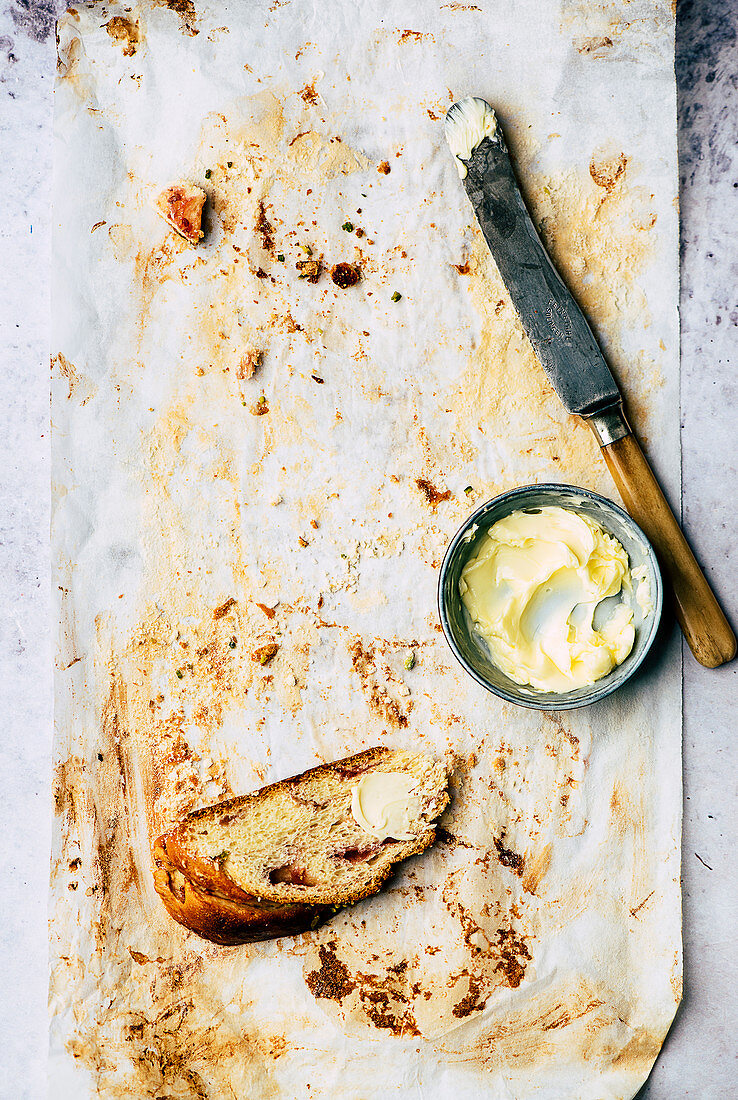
x=559, y=320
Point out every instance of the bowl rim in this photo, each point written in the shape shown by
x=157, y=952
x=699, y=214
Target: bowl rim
x=564, y=702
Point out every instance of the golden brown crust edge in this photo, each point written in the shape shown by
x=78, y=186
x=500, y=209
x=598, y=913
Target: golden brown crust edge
x=222, y=920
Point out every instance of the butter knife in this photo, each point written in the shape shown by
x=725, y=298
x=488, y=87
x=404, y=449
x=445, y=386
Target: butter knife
x=568, y=351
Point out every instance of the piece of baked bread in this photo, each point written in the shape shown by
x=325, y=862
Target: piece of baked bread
x=281, y=860
x=181, y=206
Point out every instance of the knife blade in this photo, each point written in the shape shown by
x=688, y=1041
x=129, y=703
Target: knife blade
x=551, y=319
x=568, y=352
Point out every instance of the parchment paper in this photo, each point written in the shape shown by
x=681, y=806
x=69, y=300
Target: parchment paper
x=201, y=512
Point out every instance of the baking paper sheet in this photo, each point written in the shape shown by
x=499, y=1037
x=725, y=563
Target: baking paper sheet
x=202, y=511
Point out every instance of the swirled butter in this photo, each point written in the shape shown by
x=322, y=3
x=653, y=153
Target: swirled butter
x=384, y=805
x=532, y=589
x=643, y=591
x=467, y=123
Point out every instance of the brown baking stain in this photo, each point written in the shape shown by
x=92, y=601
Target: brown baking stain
x=514, y=956
x=385, y=1000
x=508, y=858
x=628, y=821
x=412, y=36
x=548, y=1026
x=71, y=790
x=81, y=388
x=433, y=495
x=181, y=1046
x=127, y=32
x=121, y=782
x=564, y=1014
x=608, y=172
x=594, y=47
x=676, y=980
x=139, y=957
x=536, y=866
x=264, y=228
x=333, y=980
x=185, y=9
x=71, y=59
x=474, y=1001
x=308, y=94
x=382, y=998
x=636, y=910
x=270, y=612
x=639, y=1053
x=446, y=837
x=154, y=266
x=222, y=609
x=321, y=158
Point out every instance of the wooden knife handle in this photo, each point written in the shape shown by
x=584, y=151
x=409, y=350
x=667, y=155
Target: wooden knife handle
x=700, y=616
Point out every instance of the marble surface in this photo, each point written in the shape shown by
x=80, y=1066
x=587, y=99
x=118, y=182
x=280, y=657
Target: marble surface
x=699, y=1057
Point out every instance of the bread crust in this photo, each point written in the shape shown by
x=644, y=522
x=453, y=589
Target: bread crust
x=221, y=920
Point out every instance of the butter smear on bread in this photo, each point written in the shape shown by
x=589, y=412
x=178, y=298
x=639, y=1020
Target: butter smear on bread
x=384, y=805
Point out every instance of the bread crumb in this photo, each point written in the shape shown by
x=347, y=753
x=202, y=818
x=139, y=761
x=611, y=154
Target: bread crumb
x=265, y=653
x=181, y=207
x=249, y=363
x=345, y=275
x=310, y=269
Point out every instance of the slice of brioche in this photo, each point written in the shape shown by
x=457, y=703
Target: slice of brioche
x=291, y=853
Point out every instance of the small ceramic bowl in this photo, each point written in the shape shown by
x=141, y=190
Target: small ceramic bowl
x=469, y=648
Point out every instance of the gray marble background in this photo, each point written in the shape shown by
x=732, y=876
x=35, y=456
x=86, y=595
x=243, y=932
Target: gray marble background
x=699, y=1058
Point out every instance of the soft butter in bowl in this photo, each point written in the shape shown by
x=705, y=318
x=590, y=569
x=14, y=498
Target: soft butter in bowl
x=550, y=596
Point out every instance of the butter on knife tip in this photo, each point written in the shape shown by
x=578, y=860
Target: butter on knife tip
x=468, y=122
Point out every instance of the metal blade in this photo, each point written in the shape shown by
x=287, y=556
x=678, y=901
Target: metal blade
x=553, y=322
